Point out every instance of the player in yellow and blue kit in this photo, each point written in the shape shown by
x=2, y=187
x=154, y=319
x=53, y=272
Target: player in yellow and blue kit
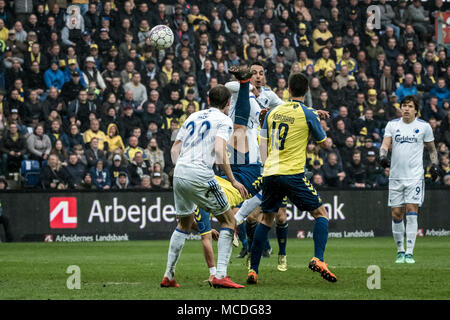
x=283, y=140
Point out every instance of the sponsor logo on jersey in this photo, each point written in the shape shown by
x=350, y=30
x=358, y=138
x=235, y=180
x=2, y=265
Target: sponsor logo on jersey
x=405, y=139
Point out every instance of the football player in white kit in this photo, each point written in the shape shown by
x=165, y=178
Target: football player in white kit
x=407, y=135
x=266, y=99
x=200, y=143
x=261, y=98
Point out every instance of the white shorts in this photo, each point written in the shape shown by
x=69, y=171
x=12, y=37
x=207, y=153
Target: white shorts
x=402, y=192
x=209, y=196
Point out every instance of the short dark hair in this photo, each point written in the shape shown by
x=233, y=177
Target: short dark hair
x=257, y=63
x=412, y=99
x=298, y=84
x=219, y=96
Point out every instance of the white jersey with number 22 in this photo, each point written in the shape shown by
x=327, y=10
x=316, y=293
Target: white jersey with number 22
x=198, y=135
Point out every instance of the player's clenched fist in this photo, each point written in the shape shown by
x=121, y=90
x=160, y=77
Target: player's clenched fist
x=384, y=161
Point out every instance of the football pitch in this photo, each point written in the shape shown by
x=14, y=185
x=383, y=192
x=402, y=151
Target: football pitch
x=133, y=270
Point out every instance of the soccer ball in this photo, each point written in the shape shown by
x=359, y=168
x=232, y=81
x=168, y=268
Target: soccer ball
x=161, y=37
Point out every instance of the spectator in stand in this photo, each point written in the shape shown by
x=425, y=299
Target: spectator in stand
x=347, y=151
x=91, y=73
x=138, y=89
x=86, y=183
x=94, y=153
x=113, y=138
x=81, y=108
x=330, y=148
x=382, y=180
x=440, y=91
x=341, y=134
x=407, y=88
x=133, y=148
x=157, y=182
x=76, y=171
x=433, y=110
x=157, y=168
x=72, y=88
x=367, y=148
x=54, y=102
x=367, y=125
x=100, y=176
x=57, y=133
x=118, y=164
x=53, y=175
x=59, y=150
x=333, y=172
x=128, y=121
x=154, y=153
x=95, y=132
x=387, y=17
x=35, y=80
x=150, y=114
x=373, y=168
x=146, y=183
x=54, y=77
x=13, y=148
x=74, y=137
x=39, y=144
x=122, y=182
x=356, y=171
x=138, y=167
x=317, y=180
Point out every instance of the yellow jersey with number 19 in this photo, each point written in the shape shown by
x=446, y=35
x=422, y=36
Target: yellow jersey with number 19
x=287, y=128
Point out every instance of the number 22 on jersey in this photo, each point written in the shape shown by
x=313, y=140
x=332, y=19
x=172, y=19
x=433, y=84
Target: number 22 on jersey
x=196, y=136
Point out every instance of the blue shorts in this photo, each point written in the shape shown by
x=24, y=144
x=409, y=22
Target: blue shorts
x=203, y=221
x=249, y=175
x=296, y=187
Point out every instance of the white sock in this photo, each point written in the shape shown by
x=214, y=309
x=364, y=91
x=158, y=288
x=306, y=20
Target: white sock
x=247, y=207
x=411, y=231
x=176, y=245
x=212, y=271
x=398, y=231
x=224, y=248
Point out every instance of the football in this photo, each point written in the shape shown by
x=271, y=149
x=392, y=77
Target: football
x=161, y=37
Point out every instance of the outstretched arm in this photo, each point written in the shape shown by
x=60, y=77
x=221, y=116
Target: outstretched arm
x=385, y=145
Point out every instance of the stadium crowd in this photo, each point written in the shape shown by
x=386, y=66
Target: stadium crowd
x=84, y=93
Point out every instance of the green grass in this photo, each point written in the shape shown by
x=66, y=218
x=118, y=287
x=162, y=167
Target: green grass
x=133, y=270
